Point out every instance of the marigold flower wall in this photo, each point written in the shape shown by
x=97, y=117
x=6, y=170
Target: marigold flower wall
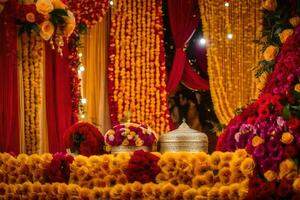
x=136, y=70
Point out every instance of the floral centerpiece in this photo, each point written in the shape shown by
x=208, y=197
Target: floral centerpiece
x=130, y=134
x=50, y=18
x=85, y=139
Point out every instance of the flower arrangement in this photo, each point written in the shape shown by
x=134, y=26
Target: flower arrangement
x=50, y=18
x=130, y=134
x=142, y=167
x=58, y=169
x=88, y=12
x=84, y=138
x=136, y=68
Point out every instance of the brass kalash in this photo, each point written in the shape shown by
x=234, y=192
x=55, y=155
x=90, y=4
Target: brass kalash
x=183, y=139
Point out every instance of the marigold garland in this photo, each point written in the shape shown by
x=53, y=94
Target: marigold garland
x=32, y=47
x=136, y=70
x=230, y=61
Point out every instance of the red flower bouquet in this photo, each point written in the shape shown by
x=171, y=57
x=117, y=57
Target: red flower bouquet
x=85, y=139
x=130, y=134
x=142, y=167
x=59, y=168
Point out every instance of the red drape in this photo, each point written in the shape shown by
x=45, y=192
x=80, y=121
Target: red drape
x=184, y=18
x=58, y=97
x=9, y=94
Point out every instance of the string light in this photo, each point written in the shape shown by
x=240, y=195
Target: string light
x=226, y=4
x=111, y=3
x=83, y=101
x=80, y=55
x=82, y=116
x=229, y=36
x=202, y=42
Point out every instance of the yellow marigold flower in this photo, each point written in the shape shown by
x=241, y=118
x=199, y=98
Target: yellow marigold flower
x=270, y=175
x=270, y=53
x=295, y=21
x=286, y=167
x=139, y=142
x=224, y=192
x=22, y=158
x=240, y=153
x=116, y=191
x=3, y=188
x=199, y=181
x=215, y=159
x=213, y=193
x=62, y=189
x=256, y=140
x=190, y=194
x=296, y=184
x=234, y=191
x=247, y=166
x=269, y=5
x=179, y=190
x=122, y=179
x=226, y=156
x=285, y=34
x=148, y=189
x=110, y=180
x=82, y=172
x=22, y=178
x=224, y=175
x=80, y=161
x=73, y=190
x=84, y=193
x=161, y=177
x=96, y=193
x=202, y=167
x=97, y=182
x=167, y=191
x=203, y=191
x=287, y=138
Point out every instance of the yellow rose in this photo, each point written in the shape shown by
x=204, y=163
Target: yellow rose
x=270, y=175
x=296, y=185
x=269, y=5
x=287, y=167
x=256, y=140
x=287, y=138
x=297, y=87
x=125, y=142
x=47, y=30
x=285, y=34
x=58, y=4
x=44, y=6
x=295, y=21
x=270, y=53
x=70, y=24
x=30, y=17
x=247, y=166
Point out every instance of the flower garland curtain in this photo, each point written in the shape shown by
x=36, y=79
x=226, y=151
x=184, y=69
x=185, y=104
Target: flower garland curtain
x=136, y=69
x=58, y=97
x=184, y=18
x=231, y=60
x=95, y=76
x=9, y=105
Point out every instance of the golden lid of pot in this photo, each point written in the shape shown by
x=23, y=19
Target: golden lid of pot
x=183, y=139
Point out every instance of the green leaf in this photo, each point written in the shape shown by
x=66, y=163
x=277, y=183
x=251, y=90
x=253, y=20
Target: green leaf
x=286, y=112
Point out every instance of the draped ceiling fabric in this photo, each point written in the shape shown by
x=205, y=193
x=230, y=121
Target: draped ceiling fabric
x=184, y=19
x=9, y=104
x=231, y=62
x=95, y=75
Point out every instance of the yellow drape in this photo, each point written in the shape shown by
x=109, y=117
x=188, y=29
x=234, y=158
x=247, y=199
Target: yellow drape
x=94, y=81
x=231, y=61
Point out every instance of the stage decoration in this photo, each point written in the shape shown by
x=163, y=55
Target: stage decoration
x=88, y=12
x=2, y=5
x=32, y=62
x=130, y=134
x=231, y=53
x=58, y=169
x=85, y=139
x=50, y=19
x=136, y=69
x=183, y=139
x=279, y=22
x=142, y=167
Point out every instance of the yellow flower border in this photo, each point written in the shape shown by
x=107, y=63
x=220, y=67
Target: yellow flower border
x=231, y=61
x=32, y=48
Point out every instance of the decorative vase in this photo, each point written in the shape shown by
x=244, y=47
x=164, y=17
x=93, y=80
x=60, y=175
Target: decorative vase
x=128, y=149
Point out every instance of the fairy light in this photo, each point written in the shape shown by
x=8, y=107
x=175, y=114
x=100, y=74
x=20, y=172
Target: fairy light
x=111, y=2
x=226, y=4
x=202, y=42
x=83, y=101
x=229, y=36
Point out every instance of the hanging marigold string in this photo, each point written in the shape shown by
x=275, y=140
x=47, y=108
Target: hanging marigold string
x=231, y=29
x=137, y=70
x=32, y=48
